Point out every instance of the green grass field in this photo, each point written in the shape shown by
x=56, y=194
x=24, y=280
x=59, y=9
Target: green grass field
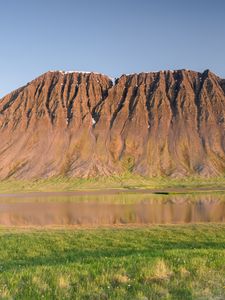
x=125, y=181
x=160, y=262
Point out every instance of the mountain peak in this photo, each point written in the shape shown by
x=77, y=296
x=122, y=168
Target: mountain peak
x=74, y=123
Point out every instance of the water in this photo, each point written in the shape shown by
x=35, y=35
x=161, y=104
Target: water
x=104, y=210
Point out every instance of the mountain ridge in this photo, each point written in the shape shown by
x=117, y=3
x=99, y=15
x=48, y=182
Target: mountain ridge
x=84, y=124
x=113, y=79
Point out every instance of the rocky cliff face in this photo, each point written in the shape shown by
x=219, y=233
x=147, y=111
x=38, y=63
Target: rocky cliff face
x=81, y=124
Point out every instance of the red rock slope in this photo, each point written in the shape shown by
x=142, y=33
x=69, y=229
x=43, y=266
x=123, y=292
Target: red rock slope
x=80, y=124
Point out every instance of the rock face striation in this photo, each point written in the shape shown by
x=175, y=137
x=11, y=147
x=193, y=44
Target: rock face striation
x=82, y=124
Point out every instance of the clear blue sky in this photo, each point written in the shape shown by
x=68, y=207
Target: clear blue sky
x=112, y=37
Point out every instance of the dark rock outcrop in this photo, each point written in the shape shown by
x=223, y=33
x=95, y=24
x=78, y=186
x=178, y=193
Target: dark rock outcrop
x=80, y=124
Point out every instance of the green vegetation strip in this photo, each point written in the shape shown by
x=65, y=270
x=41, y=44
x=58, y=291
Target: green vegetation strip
x=160, y=262
x=125, y=181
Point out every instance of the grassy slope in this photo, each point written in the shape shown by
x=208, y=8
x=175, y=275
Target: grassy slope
x=123, y=181
x=161, y=262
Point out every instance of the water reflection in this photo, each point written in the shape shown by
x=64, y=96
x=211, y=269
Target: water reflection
x=113, y=210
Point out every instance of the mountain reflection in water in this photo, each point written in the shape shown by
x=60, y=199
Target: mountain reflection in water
x=99, y=210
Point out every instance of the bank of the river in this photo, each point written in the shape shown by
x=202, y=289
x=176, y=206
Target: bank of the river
x=124, y=182
x=160, y=262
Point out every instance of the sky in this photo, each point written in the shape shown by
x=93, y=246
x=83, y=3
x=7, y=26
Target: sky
x=111, y=37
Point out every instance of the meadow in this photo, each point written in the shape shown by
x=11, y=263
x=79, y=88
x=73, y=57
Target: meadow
x=136, y=262
x=123, y=182
x=158, y=262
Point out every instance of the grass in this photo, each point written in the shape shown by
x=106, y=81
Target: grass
x=160, y=262
x=125, y=181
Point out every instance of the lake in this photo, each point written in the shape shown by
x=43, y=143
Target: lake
x=98, y=209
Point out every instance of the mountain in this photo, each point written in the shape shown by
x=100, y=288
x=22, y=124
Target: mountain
x=84, y=124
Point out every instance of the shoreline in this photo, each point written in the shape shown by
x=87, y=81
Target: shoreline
x=128, y=226
x=111, y=191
